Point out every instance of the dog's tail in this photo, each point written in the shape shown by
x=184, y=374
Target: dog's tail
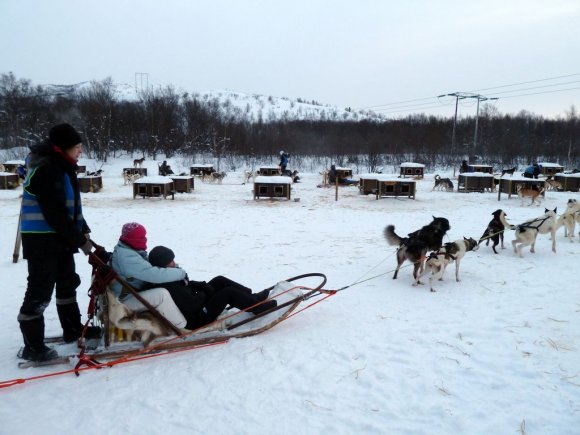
x=505, y=223
x=392, y=238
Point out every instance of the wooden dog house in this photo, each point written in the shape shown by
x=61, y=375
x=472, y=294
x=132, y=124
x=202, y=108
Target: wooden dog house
x=509, y=184
x=570, y=182
x=486, y=169
x=475, y=182
x=201, y=169
x=148, y=187
x=182, y=183
x=550, y=168
x=90, y=183
x=395, y=187
x=9, y=180
x=410, y=169
x=269, y=171
x=275, y=186
x=12, y=165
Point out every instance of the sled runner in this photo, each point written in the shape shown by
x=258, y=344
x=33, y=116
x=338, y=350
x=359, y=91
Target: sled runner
x=128, y=334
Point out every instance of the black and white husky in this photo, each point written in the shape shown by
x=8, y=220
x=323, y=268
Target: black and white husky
x=495, y=230
x=527, y=232
x=443, y=183
x=415, y=246
x=451, y=252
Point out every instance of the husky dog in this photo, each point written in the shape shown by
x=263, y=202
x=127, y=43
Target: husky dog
x=443, y=183
x=552, y=184
x=527, y=192
x=495, y=229
x=129, y=178
x=217, y=176
x=508, y=171
x=438, y=260
x=249, y=175
x=569, y=218
x=140, y=326
x=527, y=232
x=415, y=246
x=137, y=163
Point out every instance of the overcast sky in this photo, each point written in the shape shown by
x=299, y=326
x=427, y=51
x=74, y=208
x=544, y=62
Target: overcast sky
x=358, y=54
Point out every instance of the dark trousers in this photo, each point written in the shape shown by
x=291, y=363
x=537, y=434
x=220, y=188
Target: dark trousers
x=44, y=274
x=226, y=292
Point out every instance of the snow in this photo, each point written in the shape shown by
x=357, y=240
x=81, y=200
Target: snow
x=273, y=179
x=497, y=353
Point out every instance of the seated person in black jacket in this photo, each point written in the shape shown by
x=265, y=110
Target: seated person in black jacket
x=200, y=302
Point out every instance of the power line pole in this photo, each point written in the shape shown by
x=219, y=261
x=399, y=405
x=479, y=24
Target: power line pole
x=460, y=96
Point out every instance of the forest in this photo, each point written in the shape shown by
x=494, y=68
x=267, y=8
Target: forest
x=164, y=121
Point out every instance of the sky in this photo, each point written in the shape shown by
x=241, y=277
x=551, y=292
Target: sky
x=393, y=57
x=496, y=353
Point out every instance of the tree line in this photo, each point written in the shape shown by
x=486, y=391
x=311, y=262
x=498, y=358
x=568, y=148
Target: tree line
x=163, y=121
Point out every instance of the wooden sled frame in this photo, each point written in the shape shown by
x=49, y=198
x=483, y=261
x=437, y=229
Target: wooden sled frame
x=141, y=325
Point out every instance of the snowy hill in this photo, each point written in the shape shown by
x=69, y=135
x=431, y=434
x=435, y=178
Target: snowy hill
x=252, y=107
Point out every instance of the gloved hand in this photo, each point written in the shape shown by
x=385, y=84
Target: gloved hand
x=87, y=247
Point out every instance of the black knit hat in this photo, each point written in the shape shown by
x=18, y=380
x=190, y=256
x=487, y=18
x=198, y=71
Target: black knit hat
x=64, y=136
x=160, y=256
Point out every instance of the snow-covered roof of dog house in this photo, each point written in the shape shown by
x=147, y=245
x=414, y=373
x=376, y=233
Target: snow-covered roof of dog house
x=274, y=179
x=412, y=165
x=180, y=177
x=519, y=177
x=154, y=180
x=384, y=177
x=550, y=165
x=270, y=167
x=341, y=168
x=202, y=165
x=14, y=162
x=476, y=174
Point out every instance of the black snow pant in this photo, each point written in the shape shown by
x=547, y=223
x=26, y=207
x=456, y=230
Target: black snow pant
x=225, y=292
x=44, y=274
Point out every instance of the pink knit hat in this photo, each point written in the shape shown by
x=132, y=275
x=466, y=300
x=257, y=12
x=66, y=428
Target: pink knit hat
x=133, y=234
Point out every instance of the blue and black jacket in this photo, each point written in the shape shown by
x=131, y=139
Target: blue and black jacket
x=52, y=219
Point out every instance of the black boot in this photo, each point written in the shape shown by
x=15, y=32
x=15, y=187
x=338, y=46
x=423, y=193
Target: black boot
x=262, y=296
x=265, y=306
x=34, y=347
x=70, y=320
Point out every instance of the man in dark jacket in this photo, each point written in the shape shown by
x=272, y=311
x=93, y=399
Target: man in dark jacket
x=53, y=229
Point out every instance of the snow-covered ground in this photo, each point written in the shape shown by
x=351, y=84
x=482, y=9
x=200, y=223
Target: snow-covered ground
x=497, y=353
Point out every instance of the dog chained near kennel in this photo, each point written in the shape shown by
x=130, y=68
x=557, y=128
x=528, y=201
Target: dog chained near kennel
x=122, y=340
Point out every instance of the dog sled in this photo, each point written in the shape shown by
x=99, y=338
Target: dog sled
x=128, y=335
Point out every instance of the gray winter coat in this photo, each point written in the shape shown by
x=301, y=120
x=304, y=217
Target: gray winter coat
x=133, y=267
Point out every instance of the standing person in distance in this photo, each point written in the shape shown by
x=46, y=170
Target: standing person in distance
x=53, y=229
x=283, y=161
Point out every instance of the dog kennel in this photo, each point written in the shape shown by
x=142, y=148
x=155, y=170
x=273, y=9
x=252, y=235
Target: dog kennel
x=272, y=187
x=410, y=169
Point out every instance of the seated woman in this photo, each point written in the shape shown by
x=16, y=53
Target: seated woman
x=200, y=302
x=129, y=260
